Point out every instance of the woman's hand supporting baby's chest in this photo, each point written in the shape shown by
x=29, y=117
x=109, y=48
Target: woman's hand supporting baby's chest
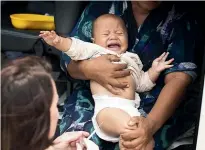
x=127, y=93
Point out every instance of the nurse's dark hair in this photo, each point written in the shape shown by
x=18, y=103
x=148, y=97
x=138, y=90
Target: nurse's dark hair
x=26, y=98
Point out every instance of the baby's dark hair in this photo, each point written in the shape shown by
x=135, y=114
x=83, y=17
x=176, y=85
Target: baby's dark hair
x=107, y=16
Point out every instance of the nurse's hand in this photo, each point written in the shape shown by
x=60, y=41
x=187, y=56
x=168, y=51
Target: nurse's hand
x=69, y=140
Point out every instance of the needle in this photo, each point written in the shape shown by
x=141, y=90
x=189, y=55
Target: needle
x=91, y=134
x=94, y=132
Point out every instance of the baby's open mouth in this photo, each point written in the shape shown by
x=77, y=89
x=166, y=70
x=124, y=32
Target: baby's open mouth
x=114, y=46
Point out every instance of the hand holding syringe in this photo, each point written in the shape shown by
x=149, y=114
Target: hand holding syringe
x=86, y=143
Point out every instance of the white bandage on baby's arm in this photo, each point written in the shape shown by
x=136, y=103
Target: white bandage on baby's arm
x=80, y=50
x=145, y=83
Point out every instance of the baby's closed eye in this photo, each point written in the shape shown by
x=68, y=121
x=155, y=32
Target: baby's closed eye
x=119, y=33
x=105, y=34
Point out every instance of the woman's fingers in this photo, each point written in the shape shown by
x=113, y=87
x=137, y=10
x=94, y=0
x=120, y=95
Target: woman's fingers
x=133, y=143
x=70, y=136
x=86, y=134
x=115, y=90
x=118, y=67
x=72, y=144
x=116, y=84
x=121, y=73
x=113, y=58
x=131, y=135
x=112, y=90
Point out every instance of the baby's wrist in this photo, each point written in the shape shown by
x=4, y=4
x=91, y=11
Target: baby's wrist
x=154, y=71
x=64, y=44
x=58, y=43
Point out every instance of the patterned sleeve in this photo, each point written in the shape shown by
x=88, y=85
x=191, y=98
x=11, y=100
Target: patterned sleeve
x=181, y=42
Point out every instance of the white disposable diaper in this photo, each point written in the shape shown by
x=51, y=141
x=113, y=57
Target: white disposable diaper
x=104, y=101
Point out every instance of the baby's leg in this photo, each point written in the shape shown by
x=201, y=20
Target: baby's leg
x=113, y=121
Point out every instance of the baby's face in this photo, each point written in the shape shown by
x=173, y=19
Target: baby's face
x=110, y=34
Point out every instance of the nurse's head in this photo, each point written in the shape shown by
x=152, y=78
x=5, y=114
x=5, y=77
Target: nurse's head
x=29, y=98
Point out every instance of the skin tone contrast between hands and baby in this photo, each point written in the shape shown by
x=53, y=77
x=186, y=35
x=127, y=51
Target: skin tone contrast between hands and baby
x=108, y=76
x=112, y=36
x=24, y=81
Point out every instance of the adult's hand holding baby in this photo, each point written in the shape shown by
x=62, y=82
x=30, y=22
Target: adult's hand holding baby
x=106, y=73
x=138, y=138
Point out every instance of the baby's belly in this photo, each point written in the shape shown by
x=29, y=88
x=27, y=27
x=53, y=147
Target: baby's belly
x=128, y=93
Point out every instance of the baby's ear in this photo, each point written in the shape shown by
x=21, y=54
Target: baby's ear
x=93, y=40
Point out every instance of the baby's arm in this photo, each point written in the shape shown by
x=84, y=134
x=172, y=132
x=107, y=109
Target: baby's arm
x=147, y=79
x=159, y=65
x=75, y=48
x=60, y=43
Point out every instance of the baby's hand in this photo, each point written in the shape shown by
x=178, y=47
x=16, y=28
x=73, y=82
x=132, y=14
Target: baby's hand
x=50, y=37
x=160, y=63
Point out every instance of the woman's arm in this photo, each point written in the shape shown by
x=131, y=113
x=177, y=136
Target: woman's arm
x=76, y=69
x=169, y=98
